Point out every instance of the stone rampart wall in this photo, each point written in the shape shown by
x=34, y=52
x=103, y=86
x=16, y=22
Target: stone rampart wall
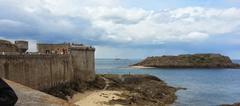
x=37, y=71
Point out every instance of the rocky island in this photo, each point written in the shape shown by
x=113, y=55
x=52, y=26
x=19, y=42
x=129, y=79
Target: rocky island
x=235, y=104
x=189, y=61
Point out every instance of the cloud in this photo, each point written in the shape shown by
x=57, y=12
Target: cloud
x=108, y=23
x=94, y=21
x=180, y=25
x=6, y=22
x=233, y=1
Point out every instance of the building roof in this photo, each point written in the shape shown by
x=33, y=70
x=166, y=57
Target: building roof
x=5, y=42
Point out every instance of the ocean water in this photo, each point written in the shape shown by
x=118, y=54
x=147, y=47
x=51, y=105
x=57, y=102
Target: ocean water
x=205, y=87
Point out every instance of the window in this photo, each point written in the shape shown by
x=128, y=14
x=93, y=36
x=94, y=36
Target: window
x=47, y=51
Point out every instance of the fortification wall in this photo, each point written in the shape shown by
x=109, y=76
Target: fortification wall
x=7, y=46
x=57, y=48
x=37, y=71
x=83, y=59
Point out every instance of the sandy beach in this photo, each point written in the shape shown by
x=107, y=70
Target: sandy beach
x=118, y=90
x=96, y=98
x=141, y=67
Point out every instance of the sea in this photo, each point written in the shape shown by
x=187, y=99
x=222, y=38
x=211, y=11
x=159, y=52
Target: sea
x=205, y=87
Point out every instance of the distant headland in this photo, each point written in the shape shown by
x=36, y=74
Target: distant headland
x=188, y=61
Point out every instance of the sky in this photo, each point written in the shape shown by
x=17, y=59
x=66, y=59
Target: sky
x=127, y=28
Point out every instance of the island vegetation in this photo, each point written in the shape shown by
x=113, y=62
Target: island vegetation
x=189, y=61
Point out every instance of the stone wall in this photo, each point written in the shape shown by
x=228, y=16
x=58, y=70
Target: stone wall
x=53, y=48
x=53, y=64
x=83, y=59
x=37, y=71
x=22, y=46
x=6, y=46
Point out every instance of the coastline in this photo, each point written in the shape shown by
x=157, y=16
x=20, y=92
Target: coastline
x=141, y=67
x=118, y=90
x=210, y=60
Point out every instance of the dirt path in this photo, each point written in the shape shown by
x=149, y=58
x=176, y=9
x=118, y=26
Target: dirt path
x=106, y=83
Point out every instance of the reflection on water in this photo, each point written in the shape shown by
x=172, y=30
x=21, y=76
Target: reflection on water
x=205, y=87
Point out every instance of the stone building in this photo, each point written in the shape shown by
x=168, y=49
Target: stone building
x=53, y=64
x=7, y=46
x=22, y=46
x=18, y=47
x=54, y=48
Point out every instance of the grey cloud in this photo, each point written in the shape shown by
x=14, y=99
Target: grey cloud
x=129, y=26
x=15, y=22
x=122, y=20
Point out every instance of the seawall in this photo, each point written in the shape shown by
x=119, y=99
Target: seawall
x=37, y=71
x=83, y=59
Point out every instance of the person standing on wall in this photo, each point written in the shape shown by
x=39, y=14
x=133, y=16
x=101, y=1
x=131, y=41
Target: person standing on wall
x=7, y=95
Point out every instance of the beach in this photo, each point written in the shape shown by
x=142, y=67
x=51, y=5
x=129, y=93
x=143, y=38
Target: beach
x=98, y=98
x=141, y=67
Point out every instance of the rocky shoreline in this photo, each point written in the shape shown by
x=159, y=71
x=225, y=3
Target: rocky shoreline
x=138, y=90
x=189, y=61
x=235, y=104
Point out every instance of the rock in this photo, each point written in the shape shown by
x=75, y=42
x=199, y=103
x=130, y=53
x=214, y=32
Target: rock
x=181, y=88
x=31, y=97
x=139, y=90
x=143, y=90
x=189, y=61
x=235, y=104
